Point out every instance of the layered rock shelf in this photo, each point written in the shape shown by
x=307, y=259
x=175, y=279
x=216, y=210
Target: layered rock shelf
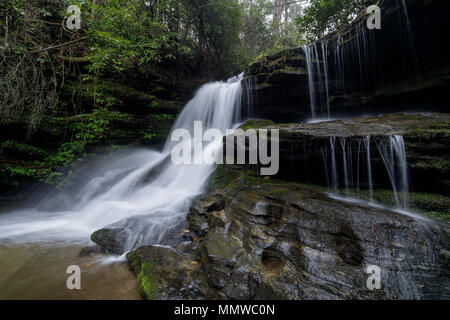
x=358, y=71
x=305, y=148
x=255, y=238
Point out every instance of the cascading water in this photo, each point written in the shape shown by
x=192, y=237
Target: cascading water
x=325, y=70
x=334, y=174
x=250, y=98
x=369, y=166
x=143, y=192
x=311, y=84
x=318, y=76
x=344, y=161
x=394, y=156
x=392, y=152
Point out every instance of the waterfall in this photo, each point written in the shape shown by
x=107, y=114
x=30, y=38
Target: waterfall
x=344, y=161
x=318, y=75
x=334, y=174
x=357, y=66
x=249, y=98
x=393, y=154
x=394, y=158
x=369, y=166
x=411, y=45
x=325, y=70
x=140, y=191
x=311, y=85
x=339, y=64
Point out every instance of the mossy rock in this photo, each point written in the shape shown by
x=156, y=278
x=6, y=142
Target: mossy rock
x=163, y=273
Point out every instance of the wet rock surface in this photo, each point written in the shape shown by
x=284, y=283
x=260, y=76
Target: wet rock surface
x=164, y=273
x=127, y=234
x=396, y=68
x=259, y=238
x=305, y=148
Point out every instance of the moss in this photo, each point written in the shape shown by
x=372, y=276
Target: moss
x=263, y=85
x=148, y=282
x=158, y=90
x=433, y=128
x=440, y=164
x=154, y=104
x=279, y=191
x=253, y=124
x=238, y=178
x=432, y=205
x=221, y=178
x=291, y=69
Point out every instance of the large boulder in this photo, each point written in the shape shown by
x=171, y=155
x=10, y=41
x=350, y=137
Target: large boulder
x=164, y=273
x=131, y=233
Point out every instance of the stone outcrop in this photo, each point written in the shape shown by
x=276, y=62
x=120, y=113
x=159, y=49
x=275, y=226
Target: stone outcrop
x=401, y=67
x=163, y=273
x=305, y=148
x=254, y=237
x=259, y=238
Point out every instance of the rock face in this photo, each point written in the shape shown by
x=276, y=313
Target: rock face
x=307, y=149
x=164, y=273
x=254, y=237
x=127, y=234
x=264, y=239
x=400, y=67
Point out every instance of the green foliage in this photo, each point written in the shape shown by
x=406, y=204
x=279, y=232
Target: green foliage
x=324, y=16
x=217, y=25
x=66, y=154
x=88, y=130
x=164, y=116
x=123, y=34
x=75, y=88
x=16, y=171
x=15, y=147
x=149, y=135
x=28, y=74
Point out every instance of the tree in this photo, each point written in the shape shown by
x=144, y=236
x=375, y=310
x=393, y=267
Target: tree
x=124, y=34
x=216, y=26
x=257, y=30
x=29, y=73
x=324, y=16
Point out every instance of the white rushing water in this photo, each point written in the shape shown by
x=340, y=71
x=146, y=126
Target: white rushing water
x=142, y=190
x=318, y=80
x=394, y=158
x=341, y=174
